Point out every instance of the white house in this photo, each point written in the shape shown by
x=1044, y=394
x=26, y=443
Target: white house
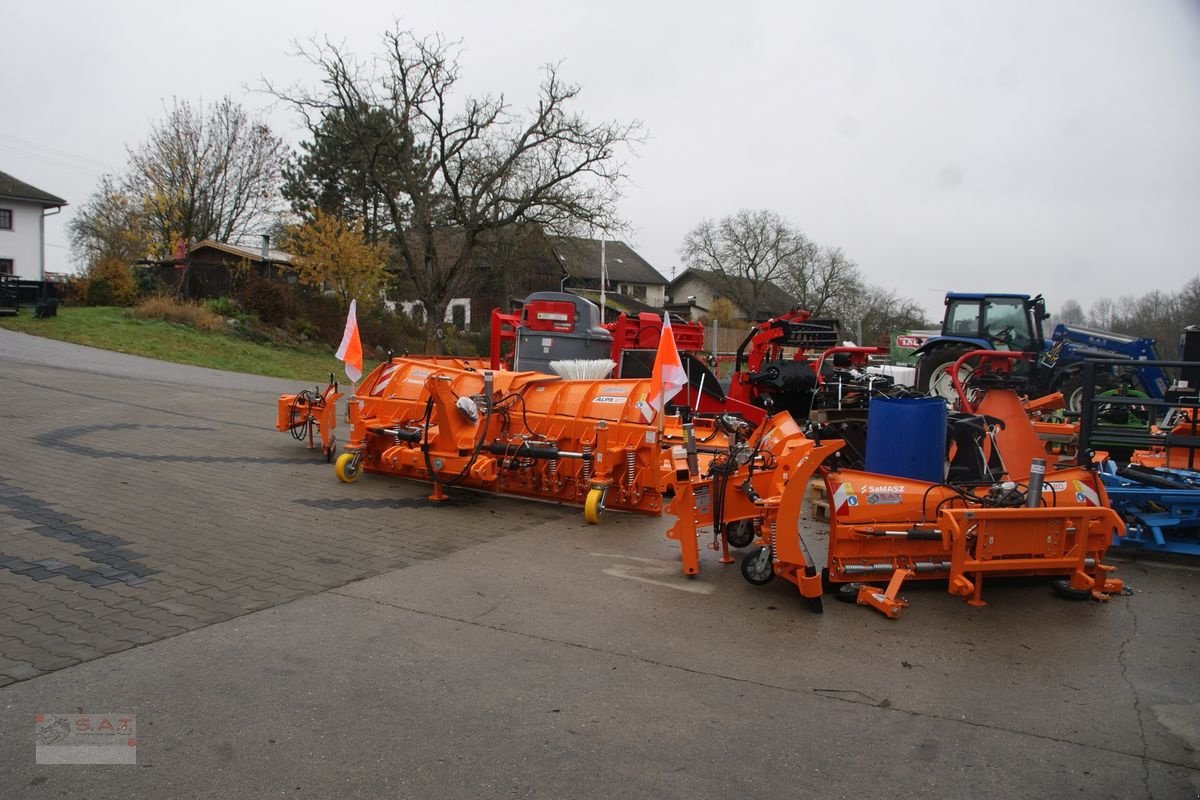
x=23, y=212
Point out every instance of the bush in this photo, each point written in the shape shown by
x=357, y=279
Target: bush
x=167, y=309
x=110, y=283
x=267, y=300
x=224, y=307
x=147, y=283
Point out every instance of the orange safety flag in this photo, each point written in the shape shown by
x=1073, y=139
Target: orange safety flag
x=668, y=376
x=350, y=351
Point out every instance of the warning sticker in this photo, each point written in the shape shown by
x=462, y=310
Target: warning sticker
x=844, y=499
x=1086, y=494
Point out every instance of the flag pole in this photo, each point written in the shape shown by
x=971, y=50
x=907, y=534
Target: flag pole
x=603, y=280
x=659, y=374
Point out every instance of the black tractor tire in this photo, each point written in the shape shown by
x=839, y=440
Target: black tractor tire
x=933, y=361
x=1071, y=388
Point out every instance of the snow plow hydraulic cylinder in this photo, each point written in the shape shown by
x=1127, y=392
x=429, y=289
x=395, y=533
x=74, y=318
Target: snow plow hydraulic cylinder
x=527, y=450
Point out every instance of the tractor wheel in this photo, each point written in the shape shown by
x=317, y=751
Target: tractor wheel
x=933, y=373
x=757, y=567
x=740, y=533
x=593, y=506
x=1072, y=392
x=346, y=468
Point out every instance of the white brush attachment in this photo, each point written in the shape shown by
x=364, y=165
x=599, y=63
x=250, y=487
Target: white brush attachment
x=583, y=369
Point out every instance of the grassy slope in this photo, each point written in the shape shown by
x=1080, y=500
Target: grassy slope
x=113, y=329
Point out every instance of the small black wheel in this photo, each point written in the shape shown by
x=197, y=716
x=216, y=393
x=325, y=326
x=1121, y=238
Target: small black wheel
x=740, y=533
x=848, y=592
x=757, y=567
x=1063, y=588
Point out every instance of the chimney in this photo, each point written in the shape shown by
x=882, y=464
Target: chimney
x=266, y=247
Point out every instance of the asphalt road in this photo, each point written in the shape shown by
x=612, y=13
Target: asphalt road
x=164, y=552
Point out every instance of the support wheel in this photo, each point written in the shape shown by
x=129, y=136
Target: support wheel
x=757, y=567
x=1063, y=588
x=740, y=533
x=848, y=592
x=346, y=468
x=593, y=506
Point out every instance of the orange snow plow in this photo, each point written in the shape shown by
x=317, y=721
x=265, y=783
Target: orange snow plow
x=592, y=442
x=753, y=493
x=998, y=512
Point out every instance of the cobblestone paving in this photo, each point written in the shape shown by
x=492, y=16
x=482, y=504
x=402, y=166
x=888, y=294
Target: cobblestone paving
x=136, y=509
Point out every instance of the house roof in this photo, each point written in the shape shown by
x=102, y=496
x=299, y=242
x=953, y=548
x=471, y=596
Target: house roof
x=581, y=258
x=620, y=302
x=248, y=253
x=773, y=301
x=14, y=189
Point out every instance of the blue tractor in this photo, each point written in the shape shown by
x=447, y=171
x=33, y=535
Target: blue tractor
x=1014, y=322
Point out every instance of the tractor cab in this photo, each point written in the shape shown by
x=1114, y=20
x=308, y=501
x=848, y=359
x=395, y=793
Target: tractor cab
x=996, y=321
x=977, y=321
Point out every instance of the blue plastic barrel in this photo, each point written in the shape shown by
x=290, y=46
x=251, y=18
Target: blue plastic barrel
x=907, y=438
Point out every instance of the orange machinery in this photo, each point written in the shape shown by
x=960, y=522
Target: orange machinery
x=754, y=492
x=1011, y=519
x=452, y=423
x=307, y=415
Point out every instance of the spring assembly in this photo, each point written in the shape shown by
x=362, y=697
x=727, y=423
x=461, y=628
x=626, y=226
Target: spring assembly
x=772, y=543
x=585, y=474
x=552, y=467
x=630, y=467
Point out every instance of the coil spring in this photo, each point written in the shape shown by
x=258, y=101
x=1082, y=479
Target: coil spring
x=552, y=467
x=586, y=473
x=772, y=543
x=396, y=437
x=630, y=467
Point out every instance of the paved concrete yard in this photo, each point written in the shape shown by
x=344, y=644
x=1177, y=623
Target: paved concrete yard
x=300, y=636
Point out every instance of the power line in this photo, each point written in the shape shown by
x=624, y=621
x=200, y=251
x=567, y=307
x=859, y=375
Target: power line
x=79, y=168
x=56, y=152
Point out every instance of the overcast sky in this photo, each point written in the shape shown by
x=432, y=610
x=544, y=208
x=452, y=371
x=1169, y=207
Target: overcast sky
x=1030, y=146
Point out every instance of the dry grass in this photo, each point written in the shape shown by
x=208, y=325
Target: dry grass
x=168, y=309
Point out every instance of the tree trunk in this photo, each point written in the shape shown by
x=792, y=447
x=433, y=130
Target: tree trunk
x=435, y=329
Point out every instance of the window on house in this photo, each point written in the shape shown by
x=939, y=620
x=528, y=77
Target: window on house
x=6, y=219
x=6, y=266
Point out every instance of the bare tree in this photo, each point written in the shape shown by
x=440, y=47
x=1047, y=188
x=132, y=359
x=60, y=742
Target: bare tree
x=748, y=251
x=880, y=311
x=202, y=176
x=1103, y=314
x=109, y=226
x=446, y=172
x=1071, y=313
x=820, y=281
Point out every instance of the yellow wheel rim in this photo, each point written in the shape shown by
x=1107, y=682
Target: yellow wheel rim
x=593, y=506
